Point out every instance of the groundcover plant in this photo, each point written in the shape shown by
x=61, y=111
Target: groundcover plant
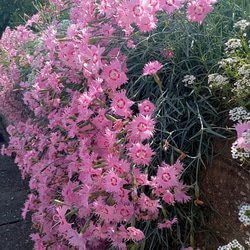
x=83, y=144
x=231, y=85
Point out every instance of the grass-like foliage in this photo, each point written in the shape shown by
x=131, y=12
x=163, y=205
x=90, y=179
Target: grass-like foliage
x=189, y=114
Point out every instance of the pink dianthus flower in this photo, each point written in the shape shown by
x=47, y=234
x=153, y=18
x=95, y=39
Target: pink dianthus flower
x=135, y=234
x=167, y=53
x=112, y=182
x=121, y=104
x=243, y=135
x=141, y=128
x=146, y=107
x=113, y=75
x=124, y=212
x=146, y=204
x=198, y=9
x=171, y=5
x=168, y=223
x=151, y=68
x=166, y=176
x=141, y=154
x=180, y=193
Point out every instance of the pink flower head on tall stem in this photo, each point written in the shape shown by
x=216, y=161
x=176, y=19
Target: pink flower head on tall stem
x=141, y=154
x=198, y=9
x=171, y=5
x=151, y=68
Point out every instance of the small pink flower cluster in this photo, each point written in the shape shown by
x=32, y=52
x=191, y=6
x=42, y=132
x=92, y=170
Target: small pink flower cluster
x=243, y=137
x=73, y=130
x=243, y=134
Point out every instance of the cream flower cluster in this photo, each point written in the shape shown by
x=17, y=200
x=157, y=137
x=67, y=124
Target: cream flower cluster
x=232, y=45
x=247, y=242
x=232, y=245
x=239, y=114
x=239, y=152
x=189, y=79
x=242, y=87
x=230, y=62
x=244, y=215
x=244, y=70
x=217, y=80
x=246, y=136
x=242, y=24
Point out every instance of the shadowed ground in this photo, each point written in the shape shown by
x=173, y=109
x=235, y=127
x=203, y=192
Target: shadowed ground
x=14, y=231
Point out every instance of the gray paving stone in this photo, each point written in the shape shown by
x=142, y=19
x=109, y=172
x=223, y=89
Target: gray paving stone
x=10, y=176
x=14, y=231
x=15, y=236
x=11, y=206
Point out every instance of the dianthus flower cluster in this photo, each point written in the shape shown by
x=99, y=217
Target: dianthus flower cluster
x=73, y=130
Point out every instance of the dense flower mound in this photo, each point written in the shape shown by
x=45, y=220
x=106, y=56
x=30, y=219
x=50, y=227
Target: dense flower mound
x=75, y=133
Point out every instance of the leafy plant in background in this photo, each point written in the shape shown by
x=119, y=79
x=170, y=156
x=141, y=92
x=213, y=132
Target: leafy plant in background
x=12, y=12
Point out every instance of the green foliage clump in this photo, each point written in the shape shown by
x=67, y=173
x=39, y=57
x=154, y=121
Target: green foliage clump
x=12, y=12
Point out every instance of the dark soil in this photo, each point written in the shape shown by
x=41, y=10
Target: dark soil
x=225, y=186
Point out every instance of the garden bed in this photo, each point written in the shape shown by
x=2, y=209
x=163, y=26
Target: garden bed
x=225, y=187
